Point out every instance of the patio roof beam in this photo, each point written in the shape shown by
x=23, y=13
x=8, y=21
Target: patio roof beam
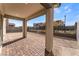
x=13, y=17
x=47, y=5
x=37, y=14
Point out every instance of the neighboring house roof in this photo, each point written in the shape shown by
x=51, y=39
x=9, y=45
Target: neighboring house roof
x=11, y=24
x=56, y=23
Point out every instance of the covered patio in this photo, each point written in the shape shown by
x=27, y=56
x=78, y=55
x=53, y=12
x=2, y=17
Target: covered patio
x=25, y=12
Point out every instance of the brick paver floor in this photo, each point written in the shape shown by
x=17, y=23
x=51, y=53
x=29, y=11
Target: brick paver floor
x=12, y=36
x=33, y=45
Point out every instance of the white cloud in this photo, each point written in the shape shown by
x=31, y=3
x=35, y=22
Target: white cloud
x=68, y=10
x=66, y=7
x=56, y=10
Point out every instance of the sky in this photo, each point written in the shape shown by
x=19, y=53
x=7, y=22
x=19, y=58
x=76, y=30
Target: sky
x=16, y=22
x=40, y=19
x=71, y=10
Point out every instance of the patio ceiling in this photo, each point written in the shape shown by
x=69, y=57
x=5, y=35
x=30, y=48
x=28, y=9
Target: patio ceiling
x=24, y=10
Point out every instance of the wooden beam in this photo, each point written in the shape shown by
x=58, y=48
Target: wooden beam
x=12, y=17
x=47, y=5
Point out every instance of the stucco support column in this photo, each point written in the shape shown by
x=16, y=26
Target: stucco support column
x=49, y=32
x=1, y=33
x=4, y=28
x=77, y=32
x=24, y=28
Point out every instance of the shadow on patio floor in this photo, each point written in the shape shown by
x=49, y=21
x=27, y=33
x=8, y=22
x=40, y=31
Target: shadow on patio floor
x=7, y=43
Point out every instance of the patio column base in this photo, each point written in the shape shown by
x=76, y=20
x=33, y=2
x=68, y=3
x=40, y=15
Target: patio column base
x=47, y=53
